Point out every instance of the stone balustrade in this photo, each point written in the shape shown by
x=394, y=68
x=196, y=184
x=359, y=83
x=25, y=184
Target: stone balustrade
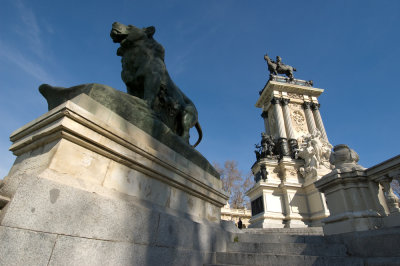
x=359, y=199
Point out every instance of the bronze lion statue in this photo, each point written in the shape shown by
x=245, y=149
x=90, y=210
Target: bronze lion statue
x=146, y=76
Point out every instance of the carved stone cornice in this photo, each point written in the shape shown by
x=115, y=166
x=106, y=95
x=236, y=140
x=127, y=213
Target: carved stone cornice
x=315, y=106
x=264, y=114
x=306, y=105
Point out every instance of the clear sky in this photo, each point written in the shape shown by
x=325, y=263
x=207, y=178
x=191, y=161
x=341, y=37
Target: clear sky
x=214, y=53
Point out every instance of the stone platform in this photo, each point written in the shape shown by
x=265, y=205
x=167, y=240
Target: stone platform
x=90, y=188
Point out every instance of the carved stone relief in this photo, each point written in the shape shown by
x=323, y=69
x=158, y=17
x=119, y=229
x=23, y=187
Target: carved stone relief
x=298, y=119
x=295, y=96
x=315, y=151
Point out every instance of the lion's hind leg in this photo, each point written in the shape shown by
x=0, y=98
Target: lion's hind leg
x=189, y=119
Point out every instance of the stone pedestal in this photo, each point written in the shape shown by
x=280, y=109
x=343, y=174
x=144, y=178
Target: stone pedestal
x=286, y=190
x=86, y=179
x=356, y=201
x=287, y=202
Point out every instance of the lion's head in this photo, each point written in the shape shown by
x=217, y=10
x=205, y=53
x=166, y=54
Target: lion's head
x=121, y=32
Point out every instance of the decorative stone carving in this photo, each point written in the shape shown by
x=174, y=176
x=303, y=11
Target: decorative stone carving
x=344, y=159
x=391, y=199
x=295, y=96
x=316, y=152
x=298, y=118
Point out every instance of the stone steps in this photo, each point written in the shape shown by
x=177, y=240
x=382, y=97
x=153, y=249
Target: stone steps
x=320, y=249
x=290, y=231
x=240, y=258
x=276, y=238
x=284, y=246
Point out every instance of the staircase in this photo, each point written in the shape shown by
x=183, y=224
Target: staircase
x=305, y=246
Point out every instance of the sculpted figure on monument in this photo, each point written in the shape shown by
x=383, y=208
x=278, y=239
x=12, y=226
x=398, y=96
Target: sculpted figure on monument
x=278, y=67
x=146, y=76
x=266, y=149
x=315, y=151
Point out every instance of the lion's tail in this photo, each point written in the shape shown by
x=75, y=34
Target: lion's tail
x=200, y=132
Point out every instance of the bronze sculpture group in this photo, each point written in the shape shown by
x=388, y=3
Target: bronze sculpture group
x=278, y=67
x=146, y=76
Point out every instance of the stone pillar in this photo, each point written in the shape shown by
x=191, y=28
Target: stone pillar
x=391, y=199
x=280, y=123
x=318, y=120
x=309, y=117
x=264, y=115
x=289, y=127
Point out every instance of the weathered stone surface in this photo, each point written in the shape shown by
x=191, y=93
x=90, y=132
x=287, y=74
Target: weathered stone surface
x=175, y=232
x=374, y=243
x=80, y=251
x=132, y=109
x=22, y=247
x=318, y=249
x=83, y=144
x=44, y=205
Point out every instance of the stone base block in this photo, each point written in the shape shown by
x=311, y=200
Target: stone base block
x=352, y=225
x=266, y=221
x=90, y=188
x=83, y=144
x=24, y=247
x=392, y=220
x=295, y=223
x=50, y=223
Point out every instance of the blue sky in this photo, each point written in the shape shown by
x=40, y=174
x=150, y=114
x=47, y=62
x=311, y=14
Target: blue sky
x=214, y=53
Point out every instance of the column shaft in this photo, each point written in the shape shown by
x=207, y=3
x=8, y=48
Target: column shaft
x=264, y=115
x=289, y=127
x=288, y=120
x=318, y=120
x=279, y=118
x=309, y=117
x=282, y=140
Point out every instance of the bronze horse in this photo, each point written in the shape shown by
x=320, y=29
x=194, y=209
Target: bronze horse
x=278, y=67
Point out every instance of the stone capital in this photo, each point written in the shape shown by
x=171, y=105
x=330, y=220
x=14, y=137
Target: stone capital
x=275, y=100
x=315, y=106
x=306, y=105
x=285, y=101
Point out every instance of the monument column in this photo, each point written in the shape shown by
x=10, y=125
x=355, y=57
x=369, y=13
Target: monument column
x=309, y=117
x=282, y=140
x=318, y=120
x=288, y=123
x=264, y=115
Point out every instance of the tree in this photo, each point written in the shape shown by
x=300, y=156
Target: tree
x=235, y=184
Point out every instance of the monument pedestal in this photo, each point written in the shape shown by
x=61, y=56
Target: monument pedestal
x=86, y=179
x=286, y=201
x=285, y=171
